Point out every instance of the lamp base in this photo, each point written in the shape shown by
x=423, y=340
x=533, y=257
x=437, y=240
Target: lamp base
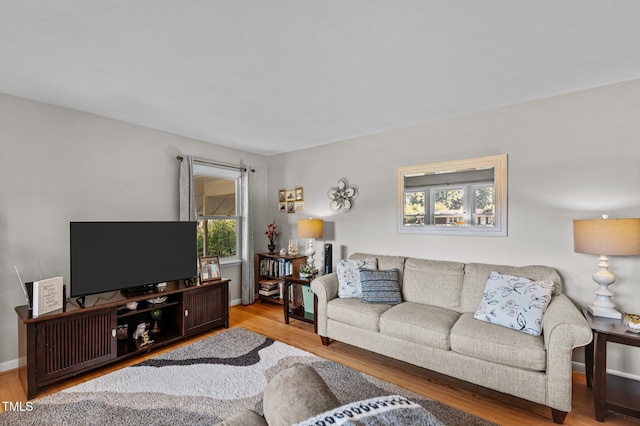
x=598, y=311
x=602, y=306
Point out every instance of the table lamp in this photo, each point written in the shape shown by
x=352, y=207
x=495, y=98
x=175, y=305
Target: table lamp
x=603, y=237
x=311, y=229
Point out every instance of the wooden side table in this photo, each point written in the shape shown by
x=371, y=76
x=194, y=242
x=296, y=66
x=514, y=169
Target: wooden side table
x=610, y=392
x=298, y=312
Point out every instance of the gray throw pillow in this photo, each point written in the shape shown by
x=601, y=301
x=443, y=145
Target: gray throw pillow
x=381, y=286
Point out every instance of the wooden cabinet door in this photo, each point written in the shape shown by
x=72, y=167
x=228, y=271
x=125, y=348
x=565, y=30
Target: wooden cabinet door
x=71, y=344
x=206, y=307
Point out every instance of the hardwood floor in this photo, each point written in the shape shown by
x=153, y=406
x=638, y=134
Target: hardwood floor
x=267, y=319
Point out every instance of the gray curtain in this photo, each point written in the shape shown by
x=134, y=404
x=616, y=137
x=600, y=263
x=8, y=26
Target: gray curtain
x=187, y=199
x=248, y=286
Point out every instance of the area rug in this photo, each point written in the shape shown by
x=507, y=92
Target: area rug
x=204, y=383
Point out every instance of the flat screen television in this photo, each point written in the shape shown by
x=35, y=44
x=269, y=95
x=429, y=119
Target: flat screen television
x=110, y=256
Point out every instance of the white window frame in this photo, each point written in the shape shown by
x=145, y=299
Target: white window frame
x=203, y=169
x=499, y=165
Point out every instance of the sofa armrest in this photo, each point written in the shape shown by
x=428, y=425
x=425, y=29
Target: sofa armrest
x=325, y=288
x=564, y=328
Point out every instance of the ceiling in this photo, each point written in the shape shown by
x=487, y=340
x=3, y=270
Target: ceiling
x=281, y=75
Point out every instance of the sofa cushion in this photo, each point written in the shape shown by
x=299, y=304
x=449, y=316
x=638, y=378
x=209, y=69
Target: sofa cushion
x=514, y=302
x=498, y=344
x=296, y=394
x=476, y=274
x=433, y=282
x=356, y=313
x=417, y=323
x=380, y=286
x=348, y=271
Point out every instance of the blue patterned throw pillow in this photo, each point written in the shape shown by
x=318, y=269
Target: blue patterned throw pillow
x=381, y=286
x=515, y=302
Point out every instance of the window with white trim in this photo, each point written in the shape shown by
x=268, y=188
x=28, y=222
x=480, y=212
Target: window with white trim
x=218, y=211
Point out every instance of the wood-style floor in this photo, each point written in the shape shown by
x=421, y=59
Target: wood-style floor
x=267, y=319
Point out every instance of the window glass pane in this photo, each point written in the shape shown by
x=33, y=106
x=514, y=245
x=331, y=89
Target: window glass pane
x=448, y=206
x=485, y=205
x=217, y=237
x=214, y=196
x=414, y=208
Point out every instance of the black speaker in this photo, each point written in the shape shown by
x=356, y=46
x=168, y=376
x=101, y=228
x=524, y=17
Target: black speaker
x=328, y=258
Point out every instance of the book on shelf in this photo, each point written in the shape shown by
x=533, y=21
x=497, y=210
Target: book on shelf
x=269, y=292
x=276, y=267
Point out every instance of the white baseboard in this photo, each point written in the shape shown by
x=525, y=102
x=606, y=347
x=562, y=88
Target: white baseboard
x=236, y=302
x=9, y=365
x=579, y=366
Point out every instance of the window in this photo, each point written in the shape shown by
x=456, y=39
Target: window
x=466, y=197
x=217, y=204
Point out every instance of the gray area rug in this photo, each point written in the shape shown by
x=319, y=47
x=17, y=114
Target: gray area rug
x=204, y=383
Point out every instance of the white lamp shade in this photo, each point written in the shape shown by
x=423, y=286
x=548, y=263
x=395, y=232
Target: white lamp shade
x=607, y=236
x=310, y=228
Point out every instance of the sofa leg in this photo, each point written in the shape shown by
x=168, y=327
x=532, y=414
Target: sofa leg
x=325, y=340
x=558, y=416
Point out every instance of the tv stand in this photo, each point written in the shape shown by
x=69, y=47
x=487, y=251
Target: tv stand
x=61, y=345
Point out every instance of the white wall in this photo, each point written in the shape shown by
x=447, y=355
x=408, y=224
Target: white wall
x=59, y=165
x=571, y=156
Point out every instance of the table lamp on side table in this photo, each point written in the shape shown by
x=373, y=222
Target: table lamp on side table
x=311, y=229
x=605, y=237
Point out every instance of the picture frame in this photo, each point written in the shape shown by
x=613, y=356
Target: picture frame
x=47, y=296
x=291, y=208
x=209, y=269
x=282, y=207
x=299, y=206
x=282, y=195
x=299, y=192
x=290, y=195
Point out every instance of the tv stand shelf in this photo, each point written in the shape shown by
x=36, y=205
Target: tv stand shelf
x=64, y=344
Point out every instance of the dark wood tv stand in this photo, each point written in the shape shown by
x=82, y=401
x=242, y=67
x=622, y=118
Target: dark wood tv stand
x=60, y=345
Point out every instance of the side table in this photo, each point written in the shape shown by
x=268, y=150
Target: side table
x=298, y=312
x=610, y=392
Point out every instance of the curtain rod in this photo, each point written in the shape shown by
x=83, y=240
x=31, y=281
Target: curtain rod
x=213, y=163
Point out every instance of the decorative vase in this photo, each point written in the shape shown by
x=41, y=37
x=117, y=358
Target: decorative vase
x=632, y=322
x=272, y=248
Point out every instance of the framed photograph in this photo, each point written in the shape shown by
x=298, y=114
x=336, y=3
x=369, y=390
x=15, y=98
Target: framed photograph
x=299, y=194
x=209, y=269
x=299, y=206
x=290, y=195
x=282, y=194
x=282, y=207
x=291, y=208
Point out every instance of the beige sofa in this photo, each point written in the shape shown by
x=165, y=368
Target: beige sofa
x=435, y=328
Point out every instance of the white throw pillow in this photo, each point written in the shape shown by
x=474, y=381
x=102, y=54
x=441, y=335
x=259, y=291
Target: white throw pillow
x=515, y=302
x=349, y=284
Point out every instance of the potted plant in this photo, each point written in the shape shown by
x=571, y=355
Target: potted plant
x=272, y=234
x=306, y=271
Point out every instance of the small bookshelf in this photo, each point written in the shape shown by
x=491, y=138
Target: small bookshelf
x=271, y=270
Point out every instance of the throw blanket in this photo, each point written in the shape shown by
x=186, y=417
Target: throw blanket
x=384, y=410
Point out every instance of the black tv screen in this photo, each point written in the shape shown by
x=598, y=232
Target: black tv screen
x=109, y=256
